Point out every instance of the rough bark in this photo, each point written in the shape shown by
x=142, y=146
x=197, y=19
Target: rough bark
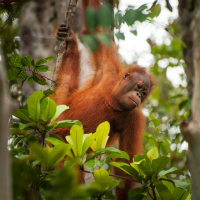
x=37, y=33
x=186, y=10
x=5, y=111
x=191, y=130
x=62, y=44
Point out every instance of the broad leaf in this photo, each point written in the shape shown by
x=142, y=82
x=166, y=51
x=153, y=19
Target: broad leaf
x=54, y=141
x=30, y=80
x=16, y=60
x=122, y=154
x=90, y=19
x=42, y=68
x=13, y=73
x=182, y=184
x=67, y=123
x=34, y=105
x=172, y=170
x=22, y=114
x=51, y=109
x=60, y=109
x=107, y=18
x=90, y=165
x=163, y=191
x=76, y=133
x=28, y=126
x=40, y=61
x=128, y=169
x=43, y=107
x=48, y=92
x=153, y=153
x=159, y=164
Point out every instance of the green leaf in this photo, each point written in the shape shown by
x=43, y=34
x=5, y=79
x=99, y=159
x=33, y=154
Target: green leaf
x=30, y=80
x=16, y=60
x=90, y=18
x=132, y=15
x=105, y=16
x=106, y=150
x=28, y=60
x=120, y=36
x=34, y=105
x=118, y=19
x=87, y=141
x=22, y=114
x=58, y=153
x=136, y=192
x=50, y=58
x=128, y=169
x=134, y=32
x=39, y=81
x=28, y=126
x=76, y=133
x=159, y=164
x=43, y=107
x=101, y=175
x=163, y=191
x=90, y=165
x=155, y=11
x=100, y=163
x=104, y=38
x=156, y=122
x=67, y=123
x=102, y=132
x=153, y=153
x=51, y=109
x=42, y=68
x=13, y=73
x=172, y=170
x=33, y=63
x=33, y=139
x=40, y=154
x=18, y=140
x=54, y=141
x=90, y=41
x=48, y=92
x=182, y=184
x=40, y=61
x=22, y=75
x=60, y=109
x=118, y=155
x=180, y=194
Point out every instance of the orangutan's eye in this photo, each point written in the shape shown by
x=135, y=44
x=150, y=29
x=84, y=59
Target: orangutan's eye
x=125, y=75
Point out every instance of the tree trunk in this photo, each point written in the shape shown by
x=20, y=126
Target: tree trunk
x=5, y=111
x=191, y=130
x=37, y=33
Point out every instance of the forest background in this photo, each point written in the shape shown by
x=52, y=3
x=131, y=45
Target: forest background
x=29, y=28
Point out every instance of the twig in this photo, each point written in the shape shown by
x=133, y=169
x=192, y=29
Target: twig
x=62, y=44
x=150, y=194
x=117, y=176
x=153, y=189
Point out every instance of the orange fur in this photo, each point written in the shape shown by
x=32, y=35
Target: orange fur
x=93, y=104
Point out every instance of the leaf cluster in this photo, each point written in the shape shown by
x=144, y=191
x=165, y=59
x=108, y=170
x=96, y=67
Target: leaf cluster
x=24, y=64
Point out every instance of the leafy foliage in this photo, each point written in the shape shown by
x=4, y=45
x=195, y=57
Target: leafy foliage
x=25, y=63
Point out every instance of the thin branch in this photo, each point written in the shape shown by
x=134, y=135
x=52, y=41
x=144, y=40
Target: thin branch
x=153, y=189
x=150, y=195
x=62, y=44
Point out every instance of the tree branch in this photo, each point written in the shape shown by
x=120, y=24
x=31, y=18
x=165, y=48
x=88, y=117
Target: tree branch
x=62, y=44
